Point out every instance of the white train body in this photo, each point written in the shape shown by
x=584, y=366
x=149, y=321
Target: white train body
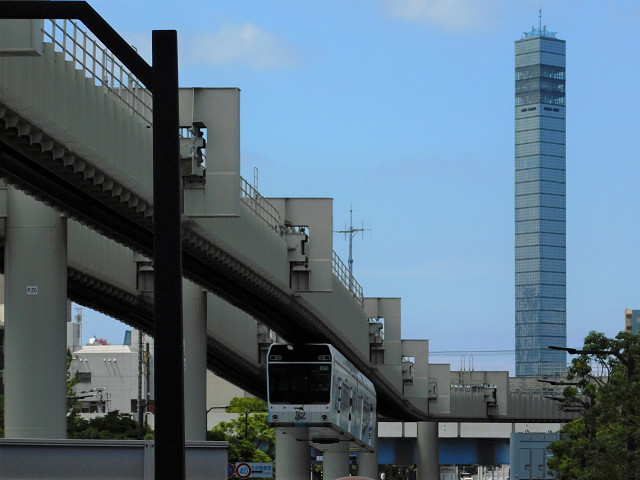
x=316, y=394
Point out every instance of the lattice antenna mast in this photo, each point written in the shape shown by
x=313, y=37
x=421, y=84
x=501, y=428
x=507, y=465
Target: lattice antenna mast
x=351, y=232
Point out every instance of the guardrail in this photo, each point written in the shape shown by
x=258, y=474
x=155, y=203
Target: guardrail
x=259, y=205
x=341, y=271
x=97, y=62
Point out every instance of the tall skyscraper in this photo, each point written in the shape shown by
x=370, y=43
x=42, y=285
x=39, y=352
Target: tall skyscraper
x=540, y=238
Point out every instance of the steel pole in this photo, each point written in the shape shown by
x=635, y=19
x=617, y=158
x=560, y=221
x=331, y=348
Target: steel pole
x=167, y=258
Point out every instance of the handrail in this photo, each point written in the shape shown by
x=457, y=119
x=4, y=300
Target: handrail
x=341, y=271
x=97, y=62
x=264, y=209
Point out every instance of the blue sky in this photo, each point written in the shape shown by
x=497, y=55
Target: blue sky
x=404, y=109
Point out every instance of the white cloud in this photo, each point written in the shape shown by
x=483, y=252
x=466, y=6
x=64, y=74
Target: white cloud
x=247, y=45
x=452, y=15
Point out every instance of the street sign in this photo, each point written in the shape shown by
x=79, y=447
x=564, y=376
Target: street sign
x=243, y=470
x=261, y=470
x=253, y=470
x=231, y=470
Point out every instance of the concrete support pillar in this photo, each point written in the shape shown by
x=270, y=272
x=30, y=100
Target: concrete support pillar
x=194, y=310
x=368, y=462
x=428, y=454
x=293, y=458
x=335, y=465
x=35, y=320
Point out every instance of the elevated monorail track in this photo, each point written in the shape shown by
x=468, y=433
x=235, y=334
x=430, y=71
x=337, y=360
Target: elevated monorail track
x=43, y=167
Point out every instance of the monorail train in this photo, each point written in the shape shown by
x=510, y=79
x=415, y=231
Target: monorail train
x=316, y=394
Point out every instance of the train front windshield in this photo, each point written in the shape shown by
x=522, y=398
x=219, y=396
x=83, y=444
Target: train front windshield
x=299, y=383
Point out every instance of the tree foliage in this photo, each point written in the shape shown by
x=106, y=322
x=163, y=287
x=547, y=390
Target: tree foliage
x=72, y=380
x=604, y=387
x=250, y=437
x=112, y=426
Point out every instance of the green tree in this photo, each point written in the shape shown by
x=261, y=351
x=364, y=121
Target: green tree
x=604, y=387
x=250, y=437
x=112, y=426
x=72, y=380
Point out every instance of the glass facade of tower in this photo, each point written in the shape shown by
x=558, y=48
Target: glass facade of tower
x=540, y=245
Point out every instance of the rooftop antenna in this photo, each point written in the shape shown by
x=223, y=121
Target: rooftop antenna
x=351, y=233
x=540, y=20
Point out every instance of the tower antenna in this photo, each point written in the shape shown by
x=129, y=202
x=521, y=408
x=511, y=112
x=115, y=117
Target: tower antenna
x=350, y=232
x=540, y=20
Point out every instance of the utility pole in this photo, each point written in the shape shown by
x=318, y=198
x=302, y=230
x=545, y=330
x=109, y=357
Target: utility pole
x=140, y=374
x=79, y=322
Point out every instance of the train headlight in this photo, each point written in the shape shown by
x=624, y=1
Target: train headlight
x=324, y=418
x=275, y=417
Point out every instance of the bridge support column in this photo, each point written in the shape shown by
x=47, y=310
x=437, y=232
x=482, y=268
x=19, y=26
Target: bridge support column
x=368, y=462
x=335, y=465
x=428, y=454
x=35, y=320
x=293, y=457
x=194, y=311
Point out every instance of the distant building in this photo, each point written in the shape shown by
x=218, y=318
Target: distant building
x=112, y=377
x=529, y=454
x=632, y=321
x=540, y=245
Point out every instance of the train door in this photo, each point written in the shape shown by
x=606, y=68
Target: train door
x=357, y=414
x=366, y=430
x=344, y=406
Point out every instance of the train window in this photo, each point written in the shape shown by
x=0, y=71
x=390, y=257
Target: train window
x=299, y=383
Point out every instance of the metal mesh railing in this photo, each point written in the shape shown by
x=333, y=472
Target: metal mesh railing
x=341, y=271
x=260, y=206
x=97, y=62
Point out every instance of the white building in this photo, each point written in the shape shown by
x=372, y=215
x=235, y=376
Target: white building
x=112, y=377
